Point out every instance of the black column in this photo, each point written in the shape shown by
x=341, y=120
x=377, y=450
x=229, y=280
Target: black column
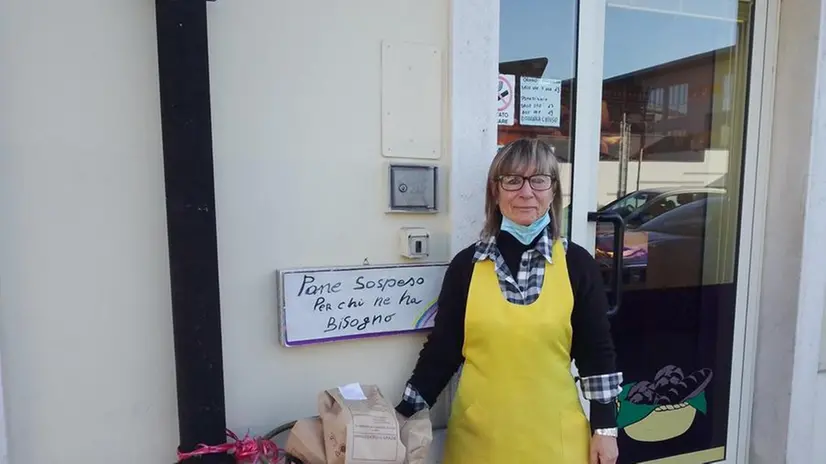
x=183, y=66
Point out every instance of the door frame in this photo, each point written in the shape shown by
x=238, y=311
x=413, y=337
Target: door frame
x=759, y=121
x=474, y=54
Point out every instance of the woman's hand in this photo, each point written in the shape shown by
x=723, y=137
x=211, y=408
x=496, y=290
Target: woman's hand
x=604, y=450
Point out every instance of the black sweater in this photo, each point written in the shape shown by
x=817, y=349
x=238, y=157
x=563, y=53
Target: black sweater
x=592, y=346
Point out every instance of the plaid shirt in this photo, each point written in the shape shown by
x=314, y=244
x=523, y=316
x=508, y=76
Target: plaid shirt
x=525, y=290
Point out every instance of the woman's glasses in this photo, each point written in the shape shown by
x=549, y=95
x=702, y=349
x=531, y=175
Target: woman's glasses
x=513, y=183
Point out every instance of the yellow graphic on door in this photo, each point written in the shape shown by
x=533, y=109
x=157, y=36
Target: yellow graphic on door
x=665, y=408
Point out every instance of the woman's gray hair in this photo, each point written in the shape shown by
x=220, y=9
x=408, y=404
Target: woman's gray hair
x=522, y=156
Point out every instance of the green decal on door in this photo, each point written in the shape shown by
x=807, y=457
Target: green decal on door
x=665, y=408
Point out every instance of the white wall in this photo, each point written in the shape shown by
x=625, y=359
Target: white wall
x=85, y=320
x=807, y=385
x=820, y=417
x=296, y=90
x=793, y=280
x=819, y=128
x=4, y=443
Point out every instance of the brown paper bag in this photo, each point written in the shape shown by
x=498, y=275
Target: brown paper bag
x=360, y=426
x=306, y=441
x=416, y=435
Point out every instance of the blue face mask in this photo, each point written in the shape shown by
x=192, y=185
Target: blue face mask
x=526, y=234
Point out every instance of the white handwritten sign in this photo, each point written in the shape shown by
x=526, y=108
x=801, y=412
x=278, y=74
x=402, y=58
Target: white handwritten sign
x=505, y=96
x=539, y=101
x=324, y=305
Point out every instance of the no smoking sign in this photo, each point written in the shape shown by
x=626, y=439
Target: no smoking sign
x=505, y=99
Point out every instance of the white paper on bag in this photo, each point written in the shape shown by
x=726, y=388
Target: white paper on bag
x=352, y=392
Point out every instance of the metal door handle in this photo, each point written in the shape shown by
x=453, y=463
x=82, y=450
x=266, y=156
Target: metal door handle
x=619, y=243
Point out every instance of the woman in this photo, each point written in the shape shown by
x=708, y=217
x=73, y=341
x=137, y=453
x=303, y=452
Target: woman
x=514, y=310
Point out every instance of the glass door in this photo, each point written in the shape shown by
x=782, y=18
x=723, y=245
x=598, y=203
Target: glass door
x=650, y=129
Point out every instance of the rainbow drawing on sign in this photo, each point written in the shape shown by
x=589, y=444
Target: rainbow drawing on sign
x=427, y=315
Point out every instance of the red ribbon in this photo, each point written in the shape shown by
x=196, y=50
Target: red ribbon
x=248, y=450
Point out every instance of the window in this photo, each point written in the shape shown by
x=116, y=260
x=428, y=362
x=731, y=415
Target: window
x=727, y=90
x=677, y=100
x=628, y=204
x=662, y=205
x=655, y=104
x=687, y=219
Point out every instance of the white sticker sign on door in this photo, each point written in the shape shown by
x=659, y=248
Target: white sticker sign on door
x=506, y=96
x=539, y=102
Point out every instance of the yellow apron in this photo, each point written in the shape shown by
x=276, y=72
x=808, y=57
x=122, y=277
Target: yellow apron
x=517, y=401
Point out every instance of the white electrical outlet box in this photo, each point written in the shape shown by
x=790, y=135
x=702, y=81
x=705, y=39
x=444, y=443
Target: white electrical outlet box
x=414, y=242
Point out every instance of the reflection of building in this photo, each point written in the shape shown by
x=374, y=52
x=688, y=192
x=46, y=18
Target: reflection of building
x=668, y=109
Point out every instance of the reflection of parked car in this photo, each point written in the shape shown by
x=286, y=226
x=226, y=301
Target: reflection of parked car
x=677, y=236
x=641, y=206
